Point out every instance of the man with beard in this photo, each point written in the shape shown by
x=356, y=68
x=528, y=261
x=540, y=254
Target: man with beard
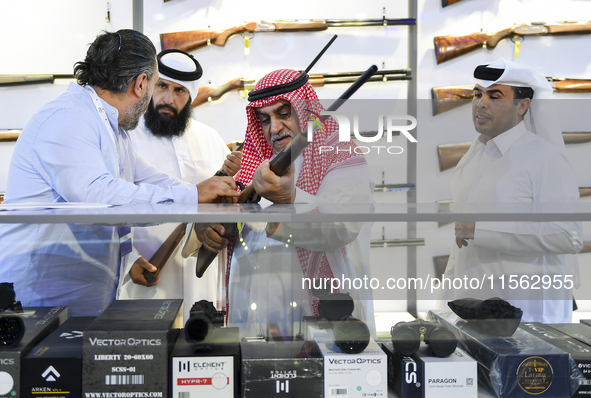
x=172, y=141
x=77, y=149
x=268, y=262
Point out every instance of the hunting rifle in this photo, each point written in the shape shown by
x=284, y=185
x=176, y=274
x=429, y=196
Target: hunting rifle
x=446, y=98
x=450, y=154
x=208, y=93
x=449, y=47
x=279, y=165
x=9, y=135
x=20, y=80
x=192, y=40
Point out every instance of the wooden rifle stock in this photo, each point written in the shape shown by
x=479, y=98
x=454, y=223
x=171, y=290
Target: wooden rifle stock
x=208, y=93
x=450, y=47
x=192, y=40
x=450, y=154
x=164, y=252
x=446, y=98
x=9, y=135
x=445, y=3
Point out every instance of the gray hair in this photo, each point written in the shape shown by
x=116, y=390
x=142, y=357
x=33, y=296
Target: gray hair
x=114, y=60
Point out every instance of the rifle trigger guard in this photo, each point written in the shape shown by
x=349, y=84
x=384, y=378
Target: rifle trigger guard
x=514, y=37
x=240, y=185
x=244, y=35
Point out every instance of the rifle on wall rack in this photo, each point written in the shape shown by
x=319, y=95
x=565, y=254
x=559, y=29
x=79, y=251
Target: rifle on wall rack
x=444, y=3
x=450, y=154
x=192, y=40
x=9, y=135
x=208, y=93
x=450, y=47
x=21, y=80
x=446, y=98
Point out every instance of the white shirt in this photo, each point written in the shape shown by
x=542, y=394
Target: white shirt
x=266, y=271
x=67, y=154
x=517, y=166
x=192, y=157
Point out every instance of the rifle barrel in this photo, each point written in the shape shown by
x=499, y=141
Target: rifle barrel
x=20, y=80
x=352, y=23
x=402, y=72
x=351, y=79
x=9, y=135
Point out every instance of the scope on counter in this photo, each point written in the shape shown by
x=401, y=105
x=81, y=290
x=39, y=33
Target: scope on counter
x=407, y=336
x=351, y=335
x=203, y=318
x=12, y=327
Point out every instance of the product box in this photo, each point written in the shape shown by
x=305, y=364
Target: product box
x=281, y=369
x=578, y=331
x=39, y=322
x=514, y=367
x=354, y=375
x=53, y=368
x=579, y=351
x=213, y=373
x=426, y=376
x=126, y=349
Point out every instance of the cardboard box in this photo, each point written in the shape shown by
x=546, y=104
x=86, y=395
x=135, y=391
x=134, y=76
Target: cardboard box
x=53, y=368
x=126, y=349
x=579, y=351
x=426, y=376
x=354, y=375
x=39, y=322
x=214, y=373
x=512, y=367
x=281, y=369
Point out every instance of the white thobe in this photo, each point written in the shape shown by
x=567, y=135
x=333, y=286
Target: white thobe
x=192, y=157
x=518, y=166
x=266, y=274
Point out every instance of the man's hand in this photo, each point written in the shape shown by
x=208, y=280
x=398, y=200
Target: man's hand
x=232, y=163
x=464, y=232
x=137, y=272
x=277, y=189
x=218, y=190
x=210, y=236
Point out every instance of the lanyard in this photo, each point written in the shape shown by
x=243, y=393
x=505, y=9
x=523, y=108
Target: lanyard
x=103, y=115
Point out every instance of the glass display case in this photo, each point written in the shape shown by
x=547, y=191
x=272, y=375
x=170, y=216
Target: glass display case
x=392, y=286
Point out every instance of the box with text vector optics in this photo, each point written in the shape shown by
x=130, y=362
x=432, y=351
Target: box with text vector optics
x=126, y=349
x=519, y=366
x=213, y=372
x=354, y=375
x=53, y=368
x=38, y=322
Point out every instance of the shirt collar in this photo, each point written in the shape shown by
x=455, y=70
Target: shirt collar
x=111, y=111
x=505, y=141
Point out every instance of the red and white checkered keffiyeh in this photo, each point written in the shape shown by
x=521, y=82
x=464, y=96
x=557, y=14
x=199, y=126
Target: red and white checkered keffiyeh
x=315, y=165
